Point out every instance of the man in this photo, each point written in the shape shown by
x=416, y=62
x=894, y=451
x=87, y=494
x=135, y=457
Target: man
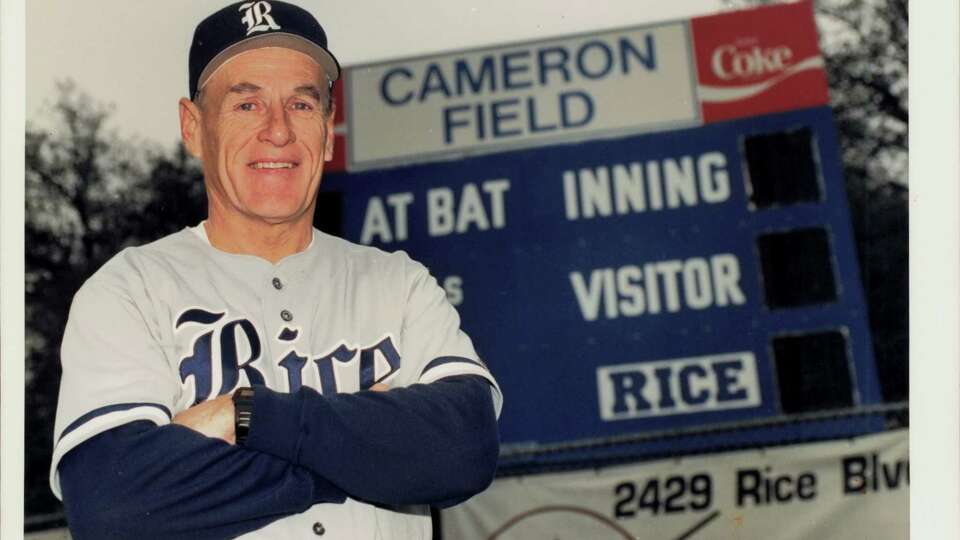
x=251, y=375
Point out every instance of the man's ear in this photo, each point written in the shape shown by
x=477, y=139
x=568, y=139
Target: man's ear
x=331, y=136
x=190, y=127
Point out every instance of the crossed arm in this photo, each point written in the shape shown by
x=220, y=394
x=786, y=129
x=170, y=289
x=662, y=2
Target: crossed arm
x=426, y=444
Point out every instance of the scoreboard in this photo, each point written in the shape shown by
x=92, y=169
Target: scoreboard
x=644, y=230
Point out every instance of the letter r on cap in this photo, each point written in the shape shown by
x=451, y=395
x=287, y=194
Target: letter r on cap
x=256, y=13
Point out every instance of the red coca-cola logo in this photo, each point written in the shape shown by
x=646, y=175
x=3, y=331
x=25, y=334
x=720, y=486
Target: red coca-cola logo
x=730, y=62
x=758, y=61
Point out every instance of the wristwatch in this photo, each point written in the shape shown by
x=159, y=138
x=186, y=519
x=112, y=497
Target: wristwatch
x=242, y=412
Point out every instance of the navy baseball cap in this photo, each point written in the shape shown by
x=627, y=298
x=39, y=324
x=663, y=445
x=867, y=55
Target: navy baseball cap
x=244, y=26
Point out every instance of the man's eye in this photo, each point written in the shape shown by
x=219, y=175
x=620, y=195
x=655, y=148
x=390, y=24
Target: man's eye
x=301, y=106
x=247, y=107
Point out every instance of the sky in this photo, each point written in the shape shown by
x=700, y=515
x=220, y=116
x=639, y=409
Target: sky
x=133, y=53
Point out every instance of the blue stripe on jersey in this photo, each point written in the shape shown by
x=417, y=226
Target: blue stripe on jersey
x=109, y=409
x=439, y=361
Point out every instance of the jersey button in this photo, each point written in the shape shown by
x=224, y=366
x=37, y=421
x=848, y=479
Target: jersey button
x=318, y=529
x=286, y=315
x=277, y=284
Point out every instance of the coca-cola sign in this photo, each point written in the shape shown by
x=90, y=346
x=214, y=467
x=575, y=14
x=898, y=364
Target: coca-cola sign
x=758, y=61
x=730, y=62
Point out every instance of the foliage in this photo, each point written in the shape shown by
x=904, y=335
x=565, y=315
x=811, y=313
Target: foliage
x=88, y=195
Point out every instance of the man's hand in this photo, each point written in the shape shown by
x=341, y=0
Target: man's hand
x=214, y=418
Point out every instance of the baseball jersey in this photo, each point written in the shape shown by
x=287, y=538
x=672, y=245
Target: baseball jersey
x=162, y=327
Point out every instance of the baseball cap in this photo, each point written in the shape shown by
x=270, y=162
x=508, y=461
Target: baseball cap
x=244, y=26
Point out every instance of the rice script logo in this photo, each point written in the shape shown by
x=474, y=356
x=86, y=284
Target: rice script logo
x=257, y=17
x=729, y=62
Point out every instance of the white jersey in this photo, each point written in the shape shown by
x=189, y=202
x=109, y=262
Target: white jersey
x=168, y=325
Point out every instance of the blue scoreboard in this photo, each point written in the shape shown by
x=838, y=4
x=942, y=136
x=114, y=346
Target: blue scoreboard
x=696, y=271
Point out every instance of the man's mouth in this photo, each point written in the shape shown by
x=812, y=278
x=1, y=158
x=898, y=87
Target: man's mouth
x=273, y=165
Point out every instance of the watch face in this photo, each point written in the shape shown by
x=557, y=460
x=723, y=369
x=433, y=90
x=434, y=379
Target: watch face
x=242, y=410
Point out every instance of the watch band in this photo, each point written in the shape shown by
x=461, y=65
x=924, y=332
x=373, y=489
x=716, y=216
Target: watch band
x=242, y=411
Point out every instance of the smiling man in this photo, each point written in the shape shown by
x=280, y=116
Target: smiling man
x=252, y=376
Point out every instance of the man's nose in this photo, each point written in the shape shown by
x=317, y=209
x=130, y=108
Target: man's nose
x=278, y=130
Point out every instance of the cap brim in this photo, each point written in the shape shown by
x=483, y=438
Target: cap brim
x=275, y=39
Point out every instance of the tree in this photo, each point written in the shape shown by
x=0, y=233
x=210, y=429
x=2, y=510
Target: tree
x=88, y=195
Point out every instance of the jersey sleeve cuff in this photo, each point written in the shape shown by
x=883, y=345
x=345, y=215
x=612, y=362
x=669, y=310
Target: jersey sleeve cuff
x=451, y=366
x=96, y=422
x=275, y=423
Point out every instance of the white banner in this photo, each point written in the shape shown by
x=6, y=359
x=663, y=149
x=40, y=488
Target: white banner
x=621, y=81
x=846, y=489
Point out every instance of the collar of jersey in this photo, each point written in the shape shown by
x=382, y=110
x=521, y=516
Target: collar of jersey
x=201, y=231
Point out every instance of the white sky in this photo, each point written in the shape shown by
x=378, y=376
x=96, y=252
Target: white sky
x=133, y=53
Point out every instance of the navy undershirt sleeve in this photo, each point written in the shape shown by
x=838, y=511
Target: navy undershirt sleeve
x=144, y=481
x=426, y=444
x=431, y=443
